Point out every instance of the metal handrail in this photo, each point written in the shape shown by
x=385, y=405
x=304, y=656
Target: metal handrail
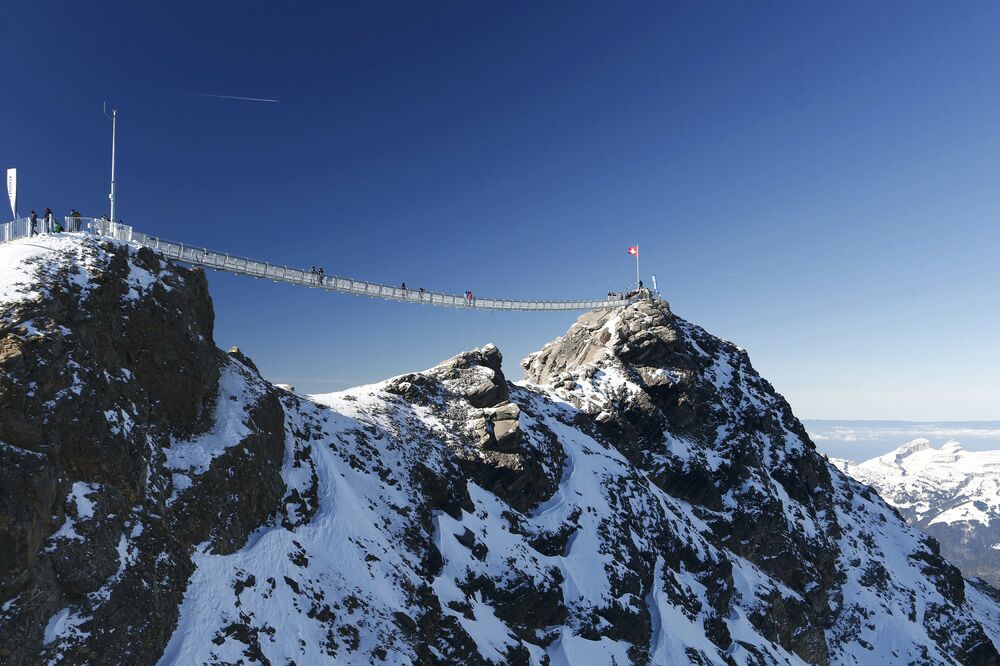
x=200, y=256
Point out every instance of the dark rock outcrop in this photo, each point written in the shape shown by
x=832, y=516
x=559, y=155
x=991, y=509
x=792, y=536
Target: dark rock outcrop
x=471, y=393
x=119, y=364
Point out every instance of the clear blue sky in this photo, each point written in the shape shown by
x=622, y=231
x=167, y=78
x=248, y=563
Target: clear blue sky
x=818, y=182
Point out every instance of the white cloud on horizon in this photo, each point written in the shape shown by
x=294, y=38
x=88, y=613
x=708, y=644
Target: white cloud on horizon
x=875, y=434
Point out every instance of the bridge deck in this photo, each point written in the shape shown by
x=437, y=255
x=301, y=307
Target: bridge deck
x=199, y=256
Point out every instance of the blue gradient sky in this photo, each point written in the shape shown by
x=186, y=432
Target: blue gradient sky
x=815, y=181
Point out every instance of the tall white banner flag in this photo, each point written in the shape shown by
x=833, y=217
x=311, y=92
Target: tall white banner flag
x=12, y=190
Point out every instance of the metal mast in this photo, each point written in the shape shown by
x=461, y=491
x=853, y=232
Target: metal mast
x=637, y=280
x=114, y=127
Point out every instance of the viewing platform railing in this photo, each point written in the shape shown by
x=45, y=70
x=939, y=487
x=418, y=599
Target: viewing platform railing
x=199, y=256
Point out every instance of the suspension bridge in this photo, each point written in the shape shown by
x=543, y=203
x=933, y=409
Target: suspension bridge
x=222, y=261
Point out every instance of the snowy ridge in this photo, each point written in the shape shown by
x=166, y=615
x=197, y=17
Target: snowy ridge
x=360, y=581
x=365, y=442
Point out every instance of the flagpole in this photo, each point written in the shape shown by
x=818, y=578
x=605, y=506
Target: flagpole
x=636, y=265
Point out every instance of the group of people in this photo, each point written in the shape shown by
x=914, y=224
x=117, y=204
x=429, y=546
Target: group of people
x=470, y=299
x=318, y=272
x=625, y=295
x=50, y=225
x=419, y=291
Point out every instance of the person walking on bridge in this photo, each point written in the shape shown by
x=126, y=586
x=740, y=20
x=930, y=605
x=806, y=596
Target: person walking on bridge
x=32, y=222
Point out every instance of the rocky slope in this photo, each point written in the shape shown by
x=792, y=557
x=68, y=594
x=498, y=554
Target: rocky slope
x=644, y=496
x=950, y=493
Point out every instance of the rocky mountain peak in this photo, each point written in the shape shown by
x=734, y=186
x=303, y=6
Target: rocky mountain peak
x=952, y=446
x=908, y=449
x=640, y=334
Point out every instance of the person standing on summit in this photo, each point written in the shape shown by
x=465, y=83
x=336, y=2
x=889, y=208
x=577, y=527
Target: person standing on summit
x=32, y=221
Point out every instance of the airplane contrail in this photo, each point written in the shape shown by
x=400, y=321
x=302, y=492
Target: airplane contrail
x=244, y=99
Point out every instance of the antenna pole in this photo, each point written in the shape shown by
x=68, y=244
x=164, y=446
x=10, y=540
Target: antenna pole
x=114, y=128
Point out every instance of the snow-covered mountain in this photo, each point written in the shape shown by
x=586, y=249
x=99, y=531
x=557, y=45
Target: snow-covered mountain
x=950, y=493
x=644, y=496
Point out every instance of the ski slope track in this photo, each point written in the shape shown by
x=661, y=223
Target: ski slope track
x=642, y=496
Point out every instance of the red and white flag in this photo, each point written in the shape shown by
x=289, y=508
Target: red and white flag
x=634, y=250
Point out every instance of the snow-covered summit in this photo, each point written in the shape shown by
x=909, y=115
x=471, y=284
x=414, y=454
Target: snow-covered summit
x=31, y=267
x=643, y=497
x=908, y=449
x=947, y=484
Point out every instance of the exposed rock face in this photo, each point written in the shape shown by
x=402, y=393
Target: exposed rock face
x=470, y=394
x=105, y=362
x=689, y=410
x=643, y=497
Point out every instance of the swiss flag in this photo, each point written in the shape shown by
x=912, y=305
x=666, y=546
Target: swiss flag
x=634, y=250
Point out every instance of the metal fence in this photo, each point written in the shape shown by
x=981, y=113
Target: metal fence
x=15, y=229
x=22, y=227
x=76, y=224
x=199, y=256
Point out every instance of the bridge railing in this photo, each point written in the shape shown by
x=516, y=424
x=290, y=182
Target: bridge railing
x=15, y=229
x=103, y=227
x=201, y=256
x=280, y=273
x=22, y=227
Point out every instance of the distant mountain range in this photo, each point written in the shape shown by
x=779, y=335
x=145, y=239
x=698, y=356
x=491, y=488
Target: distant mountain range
x=950, y=493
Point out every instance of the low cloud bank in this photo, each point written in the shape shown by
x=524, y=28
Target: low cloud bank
x=861, y=440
